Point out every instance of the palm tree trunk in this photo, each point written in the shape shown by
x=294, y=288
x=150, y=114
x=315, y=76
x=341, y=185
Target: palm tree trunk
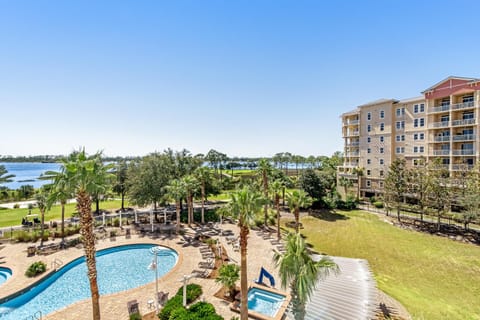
x=123, y=201
x=188, y=211
x=398, y=213
x=42, y=227
x=203, y=202
x=265, y=192
x=63, y=222
x=86, y=229
x=243, y=273
x=297, y=218
x=298, y=306
x=277, y=205
x=178, y=216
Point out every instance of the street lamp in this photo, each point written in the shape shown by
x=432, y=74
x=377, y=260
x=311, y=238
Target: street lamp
x=154, y=266
x=185, y=281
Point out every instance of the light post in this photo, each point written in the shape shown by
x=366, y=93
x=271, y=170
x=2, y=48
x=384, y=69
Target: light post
x=154, y=266
x=185, y=281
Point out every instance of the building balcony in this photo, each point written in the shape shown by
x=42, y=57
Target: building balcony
x=440, y=109
x=465, y=152
x=442, y=139
x=441, y=124
x=352, y=154
x=464, y=105
x=441, y=152
x=348, y=175
x=464, y=137
x=464, y=122
x=462, y=167
x=353, y=133
x=353, y=144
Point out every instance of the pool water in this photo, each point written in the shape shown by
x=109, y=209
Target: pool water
x=5, y=273
x=118, y=269
x=264, y=302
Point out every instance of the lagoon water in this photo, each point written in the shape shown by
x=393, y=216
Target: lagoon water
x=26, y=171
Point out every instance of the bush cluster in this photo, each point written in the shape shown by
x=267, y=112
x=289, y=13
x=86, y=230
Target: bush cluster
x=35, y=269
x=174, y=310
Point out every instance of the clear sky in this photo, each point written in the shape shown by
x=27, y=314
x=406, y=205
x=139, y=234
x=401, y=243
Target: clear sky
x=247, y=78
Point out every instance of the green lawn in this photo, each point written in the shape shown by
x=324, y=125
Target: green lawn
x=13, y=217
x=433, y=277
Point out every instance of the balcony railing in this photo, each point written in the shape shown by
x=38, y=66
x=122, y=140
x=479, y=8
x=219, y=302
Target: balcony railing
x=354, y=144
x=464, y=105
x=441, y=152
x=463, y=122
x=440, y=124
x=352, y=154
x=348, y=175
x=458, y=167
x=440, y=108
x=465, y=152
x=464, y=137
x=353, y=133
x=442, y=139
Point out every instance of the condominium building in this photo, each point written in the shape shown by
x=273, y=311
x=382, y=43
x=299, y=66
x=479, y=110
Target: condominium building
x=441, y=123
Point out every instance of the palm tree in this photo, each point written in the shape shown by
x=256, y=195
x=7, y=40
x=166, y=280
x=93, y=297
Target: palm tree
x=41, y=199
x=87, y=176
x=345, y=183
x=4, y=177
x=191, y=187
x=245, y=205
x=203, y=176
x=276, y=188
x=299, y=271
x=176, y=190
x=265, y=169
x=298, y=199
x=359, y=172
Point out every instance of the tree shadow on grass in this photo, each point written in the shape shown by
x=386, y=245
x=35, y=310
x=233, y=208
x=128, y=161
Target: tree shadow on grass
x=328, y=215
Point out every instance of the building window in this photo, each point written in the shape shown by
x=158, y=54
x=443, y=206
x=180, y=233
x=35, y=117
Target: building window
x=397, y=138
x=415, y=149
x=403, y=137
x=369, y=139
x=415, y=136
x=402, y=149
x=382, y=114
x=422, y=122
x=368, y=172
x=468, y=115
x=415, y=108
x=369, y=150
x=415, y=123
x=381, y=150
x=382, y=126
x=381, y=173
x=382, y=139
x=369, y=161
x=421, y=149
x=422, y=136
x=380, y=184
x=422, y=107
x=369, y=183
x=369, y=116
x=369, y=128
x=398, y=112
x=467, y=98
x=382, y=162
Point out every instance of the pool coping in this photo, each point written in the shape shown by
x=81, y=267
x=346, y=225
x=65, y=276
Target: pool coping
x=234, y=306
x=52, y=272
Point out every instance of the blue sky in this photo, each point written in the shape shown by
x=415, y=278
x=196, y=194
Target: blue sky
x=248, y=78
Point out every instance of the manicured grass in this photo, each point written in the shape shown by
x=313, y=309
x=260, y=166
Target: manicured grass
x=433, y=277
x=13, y=217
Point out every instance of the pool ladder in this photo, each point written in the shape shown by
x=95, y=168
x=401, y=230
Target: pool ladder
x=55, y=264
x=36, y=316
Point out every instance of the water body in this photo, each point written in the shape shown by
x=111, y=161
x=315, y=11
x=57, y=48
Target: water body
x=27, y=173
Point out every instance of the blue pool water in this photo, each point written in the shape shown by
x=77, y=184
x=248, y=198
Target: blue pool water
x=264, y=302
x=119, y=268
x=5, y=273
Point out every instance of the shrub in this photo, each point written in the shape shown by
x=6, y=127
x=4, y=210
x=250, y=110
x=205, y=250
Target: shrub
x=180, y=314
x=202, y=309
x=378, y=204
x=35, y=269
x=228, y=275
x=170, y=306
x=16, y=206
x=135, y=316
x=193, y=292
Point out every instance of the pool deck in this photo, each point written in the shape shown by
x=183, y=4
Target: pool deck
x=114, y=306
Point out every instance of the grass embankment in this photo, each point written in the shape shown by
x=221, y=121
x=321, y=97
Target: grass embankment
x=13, y=217
x=433, y=277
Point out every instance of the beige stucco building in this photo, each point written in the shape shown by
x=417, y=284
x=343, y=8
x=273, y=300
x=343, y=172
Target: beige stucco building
x=441, y=123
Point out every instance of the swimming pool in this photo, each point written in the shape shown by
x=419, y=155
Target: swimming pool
x=119, y=268
x=5, y=273
x=264, y=302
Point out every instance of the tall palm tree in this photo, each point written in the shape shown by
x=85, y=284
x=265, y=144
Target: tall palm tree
x=359, y=172
x=265, y=169
x=276, y=188
x=203, y=176
x=191, y=187
x=176, y=190
x=87, y=176
x=41, y=199
x=245, y=205
x=298, y=199
x=345, y=183
x=4, y=177
x=299, y=271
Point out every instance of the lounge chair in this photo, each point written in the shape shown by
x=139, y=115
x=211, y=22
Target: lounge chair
x=133, y=307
